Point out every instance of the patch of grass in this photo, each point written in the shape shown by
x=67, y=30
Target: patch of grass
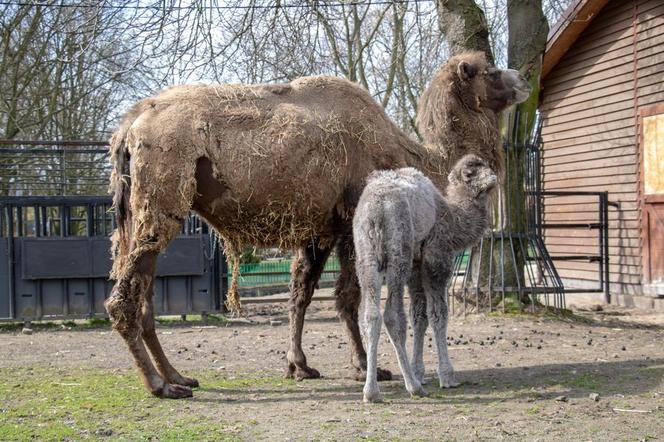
x=462, y=408
x=514, y=310
x=585, y=380
x=248, y=381
x=13, y=327
x=47, y=404
x=191, y=320
x=91, y=323
x=535, y=409
x=618, y=403
x=99, y=322
x=329, y=426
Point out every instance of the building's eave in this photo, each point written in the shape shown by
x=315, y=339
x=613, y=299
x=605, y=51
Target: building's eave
x=567, y=30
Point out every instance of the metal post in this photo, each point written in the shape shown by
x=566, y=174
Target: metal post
x=90, y=227
x=90, y=220
x=10, y=259
x=607, y=277
x=3, y=223
x=602, y=256
x=19, y=221
x=63, y=170
x=37, y=221
x=44, y=220
x=63, y=221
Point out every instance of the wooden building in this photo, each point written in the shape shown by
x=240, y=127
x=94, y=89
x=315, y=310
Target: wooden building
x=603, y=130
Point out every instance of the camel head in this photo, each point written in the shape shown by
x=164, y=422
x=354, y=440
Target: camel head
x=485, y=86
x=472, y=177
x=464, y=90
x=505, y=87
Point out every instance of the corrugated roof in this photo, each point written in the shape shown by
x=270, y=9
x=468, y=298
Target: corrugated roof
x=567, y=30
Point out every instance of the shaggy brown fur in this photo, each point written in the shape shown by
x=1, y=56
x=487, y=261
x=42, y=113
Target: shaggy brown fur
x=459, y=110
x=268, y=165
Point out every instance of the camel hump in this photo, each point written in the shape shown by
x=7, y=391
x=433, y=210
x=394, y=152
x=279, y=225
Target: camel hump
x=333, y=88
x=321, y=81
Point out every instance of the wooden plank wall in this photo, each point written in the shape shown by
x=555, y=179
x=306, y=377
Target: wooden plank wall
x=589, y=105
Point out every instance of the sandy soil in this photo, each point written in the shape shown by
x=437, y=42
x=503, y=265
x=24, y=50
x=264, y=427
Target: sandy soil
x=523, y=377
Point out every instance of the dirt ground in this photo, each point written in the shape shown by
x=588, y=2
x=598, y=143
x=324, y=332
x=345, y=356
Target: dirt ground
x=523, y=378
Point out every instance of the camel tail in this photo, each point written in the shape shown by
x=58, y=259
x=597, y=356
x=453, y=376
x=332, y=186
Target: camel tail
x=378, y=233
x=120, y=188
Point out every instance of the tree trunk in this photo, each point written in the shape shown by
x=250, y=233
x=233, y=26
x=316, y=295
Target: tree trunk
x=527, y=30
x=464, y=26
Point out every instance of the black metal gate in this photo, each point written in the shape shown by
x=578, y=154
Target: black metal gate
x=54, y=238
x=55, y=260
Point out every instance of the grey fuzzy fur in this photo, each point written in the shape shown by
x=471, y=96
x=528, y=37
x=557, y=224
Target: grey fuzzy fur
x=405, y=231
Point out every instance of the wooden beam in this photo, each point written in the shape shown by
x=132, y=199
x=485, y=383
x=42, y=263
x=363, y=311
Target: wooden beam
x=567, y=30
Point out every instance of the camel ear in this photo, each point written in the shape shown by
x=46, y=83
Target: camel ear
x=466, y=71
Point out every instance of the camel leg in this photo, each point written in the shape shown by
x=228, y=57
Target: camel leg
x=418, y=319
x=160, y=197
x=348, y=297
x=371, y=282
x=307, y=268
x=164, y=367
x=435, y=276
x=396, y=323
x=124, y=307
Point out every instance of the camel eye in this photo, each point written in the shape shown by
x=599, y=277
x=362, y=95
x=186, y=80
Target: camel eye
x=493, y=73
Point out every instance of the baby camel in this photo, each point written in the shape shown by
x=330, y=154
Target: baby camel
x=405, y=231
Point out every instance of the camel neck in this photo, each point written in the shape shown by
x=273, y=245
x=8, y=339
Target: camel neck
x=431, y=160
x=466, y=216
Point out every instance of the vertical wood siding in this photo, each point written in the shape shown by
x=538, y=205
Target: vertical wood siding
x=590, y=102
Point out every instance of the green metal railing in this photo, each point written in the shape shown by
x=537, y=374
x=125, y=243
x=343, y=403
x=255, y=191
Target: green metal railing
x=277, y=272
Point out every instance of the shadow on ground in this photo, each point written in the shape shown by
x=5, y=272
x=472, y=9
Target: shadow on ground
x=480, y=386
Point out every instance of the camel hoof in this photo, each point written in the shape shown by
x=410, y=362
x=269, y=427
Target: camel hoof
x=175, y=391
x=449, y=382
x=372, y=398
x=300, y=373
x=419, y=392
x=188, y=382
x=381, y=375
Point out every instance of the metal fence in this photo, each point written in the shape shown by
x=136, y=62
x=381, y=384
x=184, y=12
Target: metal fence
x=600, y=227
x=41, y=168
x=513, y=261
x=277, y=273
x=55, y=260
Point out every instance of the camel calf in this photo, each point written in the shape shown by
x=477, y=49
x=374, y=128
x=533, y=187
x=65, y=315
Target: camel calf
x=404, y=230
